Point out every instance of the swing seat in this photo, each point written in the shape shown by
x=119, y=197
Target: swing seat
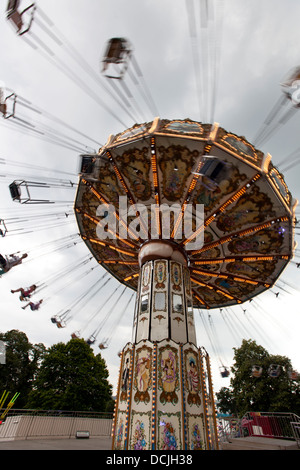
x=291, y=77
x=224, y=373
x=3, y=108
x=102, y=346
x=74, y=336
x=291, y=86
x=118, y=53
x=274, y=370
x=15, y=191
x=17, y=17
x=293, y=374
x=213, y=172
x=90, y=341
x=256, y=371
x=9, y=106
x=87, y=164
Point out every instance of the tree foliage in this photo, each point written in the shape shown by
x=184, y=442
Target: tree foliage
x=264, y=393
x=21, y=365
x=71, y=377
x=62, y=377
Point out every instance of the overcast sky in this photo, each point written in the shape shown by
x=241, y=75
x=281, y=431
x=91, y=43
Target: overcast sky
x=255, y=44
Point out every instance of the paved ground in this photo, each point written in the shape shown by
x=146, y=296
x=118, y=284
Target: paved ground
x=259, y=443
x=103, y=443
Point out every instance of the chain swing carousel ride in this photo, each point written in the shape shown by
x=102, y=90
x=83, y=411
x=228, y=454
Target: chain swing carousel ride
x=136, y=209
x=165, y=398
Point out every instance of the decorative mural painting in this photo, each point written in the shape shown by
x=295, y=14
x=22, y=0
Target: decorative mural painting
x=253, y=207
x=142, y=375
x=280, y=184
x=192, y=377
x=196, y=442
x=196, y=432
x=140, y=431
x=169, y=431
x=253, y=270
x=120, y=433
x=176, y=276
x=136, y=167
x=168, y=375
x=207, y=251
x=125, y=378
x=160, y=274
x=169, y=441
x=146, y=277
x=185, y=127
x=240, y=146
x=263, y=241
x=109, y=187
x=176, y=163
x=234, y=288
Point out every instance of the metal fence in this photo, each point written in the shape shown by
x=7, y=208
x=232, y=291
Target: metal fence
x=32, y=424
x=228, y=428
x=60, y=413
x=261, y=424
x=275, y=425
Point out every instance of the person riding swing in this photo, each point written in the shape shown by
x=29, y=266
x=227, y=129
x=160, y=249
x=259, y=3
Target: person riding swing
x=25, y=293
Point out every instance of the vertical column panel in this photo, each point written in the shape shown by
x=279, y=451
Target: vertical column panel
x=141, y=398
x=144, y=305
x=154, y=398
x=177, y=304
x=160, y=301
x=191, y=331
x=169, y=420
x=129, y=392
x=123, y=399
x=194, y=404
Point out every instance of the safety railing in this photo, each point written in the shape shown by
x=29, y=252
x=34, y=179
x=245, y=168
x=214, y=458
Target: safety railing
x=272, y=425
x=31, y=424
x=260, y=424
x=228, y=428
x=70, y=414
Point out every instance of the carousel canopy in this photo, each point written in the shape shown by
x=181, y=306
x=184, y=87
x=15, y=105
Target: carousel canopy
x=247, y=228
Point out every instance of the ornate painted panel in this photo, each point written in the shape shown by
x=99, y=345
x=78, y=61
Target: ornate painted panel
x=142, y=375
x=178, y=304
x=169, y=431
x=160, y=301
x=140, y=431
x=144, y=303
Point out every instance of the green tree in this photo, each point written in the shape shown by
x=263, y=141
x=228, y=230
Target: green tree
x=71, y=377
x=226, y=402
x=21, y=365
x=264, y=393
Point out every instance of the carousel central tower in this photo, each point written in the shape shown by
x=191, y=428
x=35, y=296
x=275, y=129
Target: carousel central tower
x=165, y=395
x=161, y=401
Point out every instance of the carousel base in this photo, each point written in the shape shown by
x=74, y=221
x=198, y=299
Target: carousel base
x=162, y=401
